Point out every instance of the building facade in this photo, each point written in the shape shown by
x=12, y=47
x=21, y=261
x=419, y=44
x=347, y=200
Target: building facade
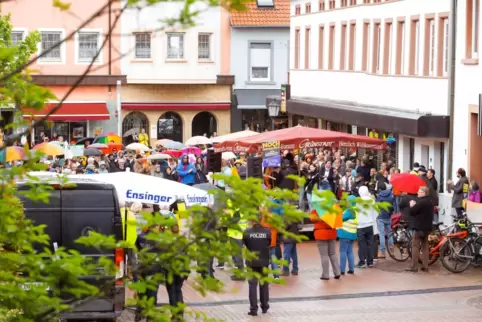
x=259, y=60
x=90, y=107
x=178, y=80
x=467, y=143
x=374, y=68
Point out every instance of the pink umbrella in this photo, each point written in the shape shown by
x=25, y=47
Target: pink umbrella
x=192, y=150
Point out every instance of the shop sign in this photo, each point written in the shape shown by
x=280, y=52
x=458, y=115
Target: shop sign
x=272, y=154
x=283, y=99
x=97, y=131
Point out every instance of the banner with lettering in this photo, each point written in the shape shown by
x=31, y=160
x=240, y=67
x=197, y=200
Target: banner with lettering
x=272, y=154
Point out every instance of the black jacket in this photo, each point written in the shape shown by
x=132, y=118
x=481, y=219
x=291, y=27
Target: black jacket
x=285, y=182
x=291, y=228
x=258, y=239
x=405, y=209
x=355, y=187
x=433, y=191
x=423, y=214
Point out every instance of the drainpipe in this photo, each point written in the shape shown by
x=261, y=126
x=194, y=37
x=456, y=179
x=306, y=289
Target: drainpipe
x=451, y=81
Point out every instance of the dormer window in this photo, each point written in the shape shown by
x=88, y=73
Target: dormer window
x=265, y=3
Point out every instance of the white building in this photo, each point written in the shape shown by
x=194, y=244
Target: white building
x=364, y=66
x=178, y=82
x=467, y=144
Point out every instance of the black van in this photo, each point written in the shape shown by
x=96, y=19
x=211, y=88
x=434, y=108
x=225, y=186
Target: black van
x=73, y=211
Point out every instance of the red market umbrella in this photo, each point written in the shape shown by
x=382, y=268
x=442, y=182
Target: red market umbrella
x=173, y=153
x=300, y=137
x=406, y=182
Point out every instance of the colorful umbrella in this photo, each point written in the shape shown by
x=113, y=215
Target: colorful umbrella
x=192, y=150
x=406, y=182
x=327, y=210
x=108, y=137
x=14, y=153
x=49, y=148
x=173, y=145
x=173, y=153
x=98, y=146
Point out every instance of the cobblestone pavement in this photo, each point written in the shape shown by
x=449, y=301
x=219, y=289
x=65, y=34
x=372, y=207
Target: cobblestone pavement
x=385, y=292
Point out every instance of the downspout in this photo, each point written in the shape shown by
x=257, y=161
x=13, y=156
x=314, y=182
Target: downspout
x=451, y=81
x=110, y=45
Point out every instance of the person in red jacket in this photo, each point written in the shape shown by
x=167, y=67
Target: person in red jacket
x=325, y=237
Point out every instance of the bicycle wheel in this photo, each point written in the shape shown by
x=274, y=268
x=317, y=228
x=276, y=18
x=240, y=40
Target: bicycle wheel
x=455, y=255
x=401, y=246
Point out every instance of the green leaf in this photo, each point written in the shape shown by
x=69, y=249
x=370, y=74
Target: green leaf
x=63, y=6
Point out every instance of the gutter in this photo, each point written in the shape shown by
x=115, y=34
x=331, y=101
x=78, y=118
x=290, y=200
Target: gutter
x=451, y=81
x=257, y=26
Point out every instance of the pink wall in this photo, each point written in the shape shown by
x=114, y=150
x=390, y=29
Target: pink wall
x=226, y=44
x=85, y=93
x=35, y=14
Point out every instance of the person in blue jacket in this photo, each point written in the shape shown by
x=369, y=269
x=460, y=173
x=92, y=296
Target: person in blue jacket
x=347, y=234
x=186, y=171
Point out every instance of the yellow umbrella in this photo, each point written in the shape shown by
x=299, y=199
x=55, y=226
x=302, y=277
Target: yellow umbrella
x=49, y=149
x=14, y=153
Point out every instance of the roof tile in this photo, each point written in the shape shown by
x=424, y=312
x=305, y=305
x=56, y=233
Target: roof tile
x=279, y=15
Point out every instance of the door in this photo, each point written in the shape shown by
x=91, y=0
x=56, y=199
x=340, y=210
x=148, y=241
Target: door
x=425, y=155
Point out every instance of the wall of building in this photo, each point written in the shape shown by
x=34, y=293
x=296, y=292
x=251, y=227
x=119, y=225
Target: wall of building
x=404, y=91
x=31, y=15
x=159, y=69
x=240, y=38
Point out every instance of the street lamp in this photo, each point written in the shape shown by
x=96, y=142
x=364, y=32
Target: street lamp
x=273, y=110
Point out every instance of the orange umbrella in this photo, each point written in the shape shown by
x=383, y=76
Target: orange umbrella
x=49, y=149
x=14, y=153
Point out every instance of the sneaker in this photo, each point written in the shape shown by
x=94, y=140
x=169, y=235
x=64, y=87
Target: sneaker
x=324, y=278
x=362, y=265
x=220, y=266
x=342, y=273
x=253, y=313
x=412, y=270
x=370, y=265
x=337, y=277
x=276, y=278
x=381, y=255
x=351, y=272
x=294, y=273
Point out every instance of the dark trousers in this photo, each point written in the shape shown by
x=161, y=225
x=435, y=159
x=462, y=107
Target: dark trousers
x=459, y=211
x=206, y=269
x=365, y=245
x=253, y=292
x=237, y=258
x=420, y=241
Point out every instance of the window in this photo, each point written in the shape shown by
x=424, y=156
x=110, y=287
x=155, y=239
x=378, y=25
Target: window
x=321, y=5
x=143, y=45
x=332, y=4
x=204, y=46
x=352, y=47
x=175, y=46
x=472, y=27
x=352, y=2
x=400, y=52
x=297, y=48
x=387, y=52
x=17, y=37
x=297, y=10
x=321, y=46
x=308, y=8
x=88, y=43
x=414, y=47
x=331, y=53
x=260, y=61
x=445, y=47
x=343, y=47
x=343, y=3
x=48, y=40
x=366, y=1
x=265, y=3
x=366, y=47
x=429, y=59
x=376, y=63
x=307, y=47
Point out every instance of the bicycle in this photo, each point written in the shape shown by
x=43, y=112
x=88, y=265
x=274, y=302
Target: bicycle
x=401, y=237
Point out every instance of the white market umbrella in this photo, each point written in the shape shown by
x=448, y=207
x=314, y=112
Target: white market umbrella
x=159, y=156
x=198, y=140
x=228, y=156
x=233, y=136
x=136, y=187
x=138, y=146
x=98, y=146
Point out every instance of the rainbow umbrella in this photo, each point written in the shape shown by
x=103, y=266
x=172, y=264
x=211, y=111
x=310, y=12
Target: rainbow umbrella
x=14, y=153
x=50, y=149
x=327, y=210
x=108, y=137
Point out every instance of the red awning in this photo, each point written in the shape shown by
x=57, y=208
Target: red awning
x=300, y=137
x=70, y=112
x=176, y=106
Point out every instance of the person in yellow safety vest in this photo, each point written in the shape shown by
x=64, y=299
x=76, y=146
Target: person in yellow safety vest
x=235, y=235
x=347, y=234
x=131, y=225
x=143, y=137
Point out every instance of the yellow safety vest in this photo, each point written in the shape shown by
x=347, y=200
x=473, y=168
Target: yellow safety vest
x=131, y=226
x=243, y=224
x=351, y=225
x=143, y=139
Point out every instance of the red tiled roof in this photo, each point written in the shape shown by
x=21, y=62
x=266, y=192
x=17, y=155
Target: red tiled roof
x=263, y=16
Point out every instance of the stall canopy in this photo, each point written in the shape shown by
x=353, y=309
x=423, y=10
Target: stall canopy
x=90, y=111
x=234, y=136
x=300, y=137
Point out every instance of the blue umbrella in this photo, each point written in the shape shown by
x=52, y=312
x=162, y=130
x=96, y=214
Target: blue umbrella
x=174, y=145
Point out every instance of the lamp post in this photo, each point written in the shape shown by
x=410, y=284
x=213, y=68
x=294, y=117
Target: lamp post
x=273, y=111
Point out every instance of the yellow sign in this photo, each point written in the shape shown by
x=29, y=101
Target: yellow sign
x=271, y=145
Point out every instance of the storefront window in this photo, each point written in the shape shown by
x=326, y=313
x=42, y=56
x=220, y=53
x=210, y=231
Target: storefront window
x=70, y=131
x=255, y=119
x=305, y=121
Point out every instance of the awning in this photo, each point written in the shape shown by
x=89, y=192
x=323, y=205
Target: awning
x=70, y=112
x=381, y=118
x=254, y=98
x=176, y=106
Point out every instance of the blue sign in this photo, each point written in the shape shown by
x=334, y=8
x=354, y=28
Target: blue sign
x=147, y=196
x=271, y=154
